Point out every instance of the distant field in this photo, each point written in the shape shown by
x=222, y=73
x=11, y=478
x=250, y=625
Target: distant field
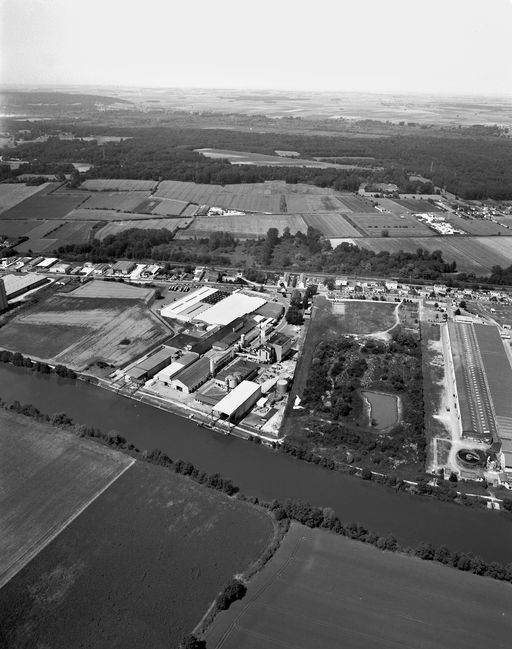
x=169, y=207
x=47, y=478
x=121, y=226
x=16, y=228
x=478, y=227
x=473, y=254
x=45, y=206
x=137, y=569
x=249, y=158
x=77, y=232
x=417, y=206
x=314, y=203
x=331, y=225
x=243, y=226
x=80, y=331
x=114, y=290
x=13, y=193
x=82, y=214
x=357, y=204
x=37, y=245
x=122, y=201
x=118, y=184
x=325, y=591
x=397, y=226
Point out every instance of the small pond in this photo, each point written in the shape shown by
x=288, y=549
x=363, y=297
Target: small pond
x=383, y=409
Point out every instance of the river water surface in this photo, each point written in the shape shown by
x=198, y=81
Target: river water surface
x=261, y=472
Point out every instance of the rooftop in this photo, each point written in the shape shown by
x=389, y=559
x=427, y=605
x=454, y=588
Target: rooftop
x=234, y=399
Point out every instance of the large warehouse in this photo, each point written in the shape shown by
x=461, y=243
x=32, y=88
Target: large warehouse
x=238, y=402
x=212, y=306
x=483, y=381
x=17, y=284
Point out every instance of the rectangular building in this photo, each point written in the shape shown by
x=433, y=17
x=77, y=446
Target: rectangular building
x=238, y=402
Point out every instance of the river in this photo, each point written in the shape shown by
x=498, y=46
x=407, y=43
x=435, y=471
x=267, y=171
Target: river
x=261, y=472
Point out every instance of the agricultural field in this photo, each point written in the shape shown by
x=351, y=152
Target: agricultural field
x=357, y=203
x=406, y=225
x=314, y=203
x=19, y=228
x=79, y=332
x=45, y=206
x=169, y=207
x=82, y=214
x=137, y=569
x=417, y=206
x=148, y=223
x=111, y=290
x=48, y=478
x=331, y=225
x=326, y=591
x=118, y=185
x=472, y=254
x=13, y=193
x=477, y=227
x=250, y=158
x=77, y=232
x=120, y=201
x=244, y=227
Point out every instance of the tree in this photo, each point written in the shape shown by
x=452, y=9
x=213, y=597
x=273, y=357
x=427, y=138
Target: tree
x=233, y=591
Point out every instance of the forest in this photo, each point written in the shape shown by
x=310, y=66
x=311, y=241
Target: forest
x=470, y=165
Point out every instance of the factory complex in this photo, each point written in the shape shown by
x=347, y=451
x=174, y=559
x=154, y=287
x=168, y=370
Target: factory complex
x=482, y=385
x=231, y=359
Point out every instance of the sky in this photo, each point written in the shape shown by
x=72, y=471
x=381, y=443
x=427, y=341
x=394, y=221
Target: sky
x=431, y=46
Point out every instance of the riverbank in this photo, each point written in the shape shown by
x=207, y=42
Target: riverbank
x=265, y=474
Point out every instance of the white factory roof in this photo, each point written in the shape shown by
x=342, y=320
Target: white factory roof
x=234, y=306
x=234, y=399
x=17, y=282
x=172, y=310
x=176, y=366
x=46, y=263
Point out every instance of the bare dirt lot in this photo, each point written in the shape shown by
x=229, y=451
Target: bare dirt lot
x=47, y=477
x=79, y=331
x=326, y=591
x=137, y=569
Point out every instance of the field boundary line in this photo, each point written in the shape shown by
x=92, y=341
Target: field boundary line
x=47, y=538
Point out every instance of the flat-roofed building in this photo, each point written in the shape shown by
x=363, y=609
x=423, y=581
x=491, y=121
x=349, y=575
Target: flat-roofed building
x=17, y=284
x=123, y=267
x=238, y=402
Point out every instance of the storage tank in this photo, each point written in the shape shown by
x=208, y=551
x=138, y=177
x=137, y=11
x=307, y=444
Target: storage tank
x=231, y=381
x=282, y=386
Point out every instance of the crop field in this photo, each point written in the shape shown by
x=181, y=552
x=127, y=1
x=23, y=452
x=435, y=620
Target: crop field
x=13, y=193
x=417, y=206
x=244, y=227
x=331, y=225
x=120, y=201
x=148, y=223
x=169, y=207
x=472, y=254
x=326, y=591
x=80, y=331
x=76, y=232
x=82, y=214
x=111, y=290
x=48, y=477
x=44, y=206
x=397, y=226
x=137, y=569
x=477, y=227
x=506, y=221
x=314, y=203
x=17, y=228
x=357, y=204
x=118, y=184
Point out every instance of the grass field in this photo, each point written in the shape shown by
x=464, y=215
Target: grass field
x=373, y=225
x=331, y=225
x=416, y=206
x=47, y=477
x=78, y=331
x=357, y=204
x=118, y=184
x=169, y=207
x=111, y=290
x=16, y=228
x=76, y=232
x=148, y=223
x=82, y=214
x=326, y=591
x=363, y=317
x=472, y=254
x=13, y=193
x=477, y=227
x=137, y=569
x=122, y=201
x=244, y=226
x=45, y=206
